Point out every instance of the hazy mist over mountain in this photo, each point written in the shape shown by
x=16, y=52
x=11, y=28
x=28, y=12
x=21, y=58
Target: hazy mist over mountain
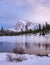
x=11, y=11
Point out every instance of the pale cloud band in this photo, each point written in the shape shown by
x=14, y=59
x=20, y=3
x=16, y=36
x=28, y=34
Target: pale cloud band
x=34, y=10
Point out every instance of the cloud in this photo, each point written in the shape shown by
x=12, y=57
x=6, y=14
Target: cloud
x=13, y=10
x=40, y=13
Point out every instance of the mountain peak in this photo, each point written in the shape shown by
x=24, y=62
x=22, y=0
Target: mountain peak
x=21, y=25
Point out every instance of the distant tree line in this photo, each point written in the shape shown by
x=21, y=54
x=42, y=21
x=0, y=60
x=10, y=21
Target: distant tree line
x=42, y=30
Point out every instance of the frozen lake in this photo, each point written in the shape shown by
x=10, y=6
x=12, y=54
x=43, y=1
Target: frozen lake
x=39, y=45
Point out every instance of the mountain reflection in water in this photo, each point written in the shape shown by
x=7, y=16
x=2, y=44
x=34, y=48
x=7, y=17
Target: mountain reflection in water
x=30, y=45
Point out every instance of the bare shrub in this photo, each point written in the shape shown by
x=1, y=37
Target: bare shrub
x=17, y=58
x=10, y=58
x=19, y=50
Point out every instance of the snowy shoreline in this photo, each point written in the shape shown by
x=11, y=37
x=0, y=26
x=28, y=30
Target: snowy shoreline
x=23, y=59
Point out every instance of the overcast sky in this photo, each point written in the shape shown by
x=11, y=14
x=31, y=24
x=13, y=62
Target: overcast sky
x=12, y=11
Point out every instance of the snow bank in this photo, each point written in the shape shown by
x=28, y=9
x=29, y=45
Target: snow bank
x=11, y=57
x=23, y=59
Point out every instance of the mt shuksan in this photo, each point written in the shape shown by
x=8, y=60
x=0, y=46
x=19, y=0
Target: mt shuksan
x=21, y=25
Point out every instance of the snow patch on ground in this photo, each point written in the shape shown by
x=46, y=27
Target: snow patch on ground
x=10, y=57
x=23, y=59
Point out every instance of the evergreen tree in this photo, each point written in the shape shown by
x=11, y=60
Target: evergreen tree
x=2, y=29
x=46, y=24
x=39, y=27
x=26, y=28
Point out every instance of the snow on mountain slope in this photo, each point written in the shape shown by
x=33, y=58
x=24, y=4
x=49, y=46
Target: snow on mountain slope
x=21, y=26
x=12, y=29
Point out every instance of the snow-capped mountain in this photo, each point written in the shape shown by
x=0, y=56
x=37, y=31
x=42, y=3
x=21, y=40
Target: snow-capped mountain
x=21, y=26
